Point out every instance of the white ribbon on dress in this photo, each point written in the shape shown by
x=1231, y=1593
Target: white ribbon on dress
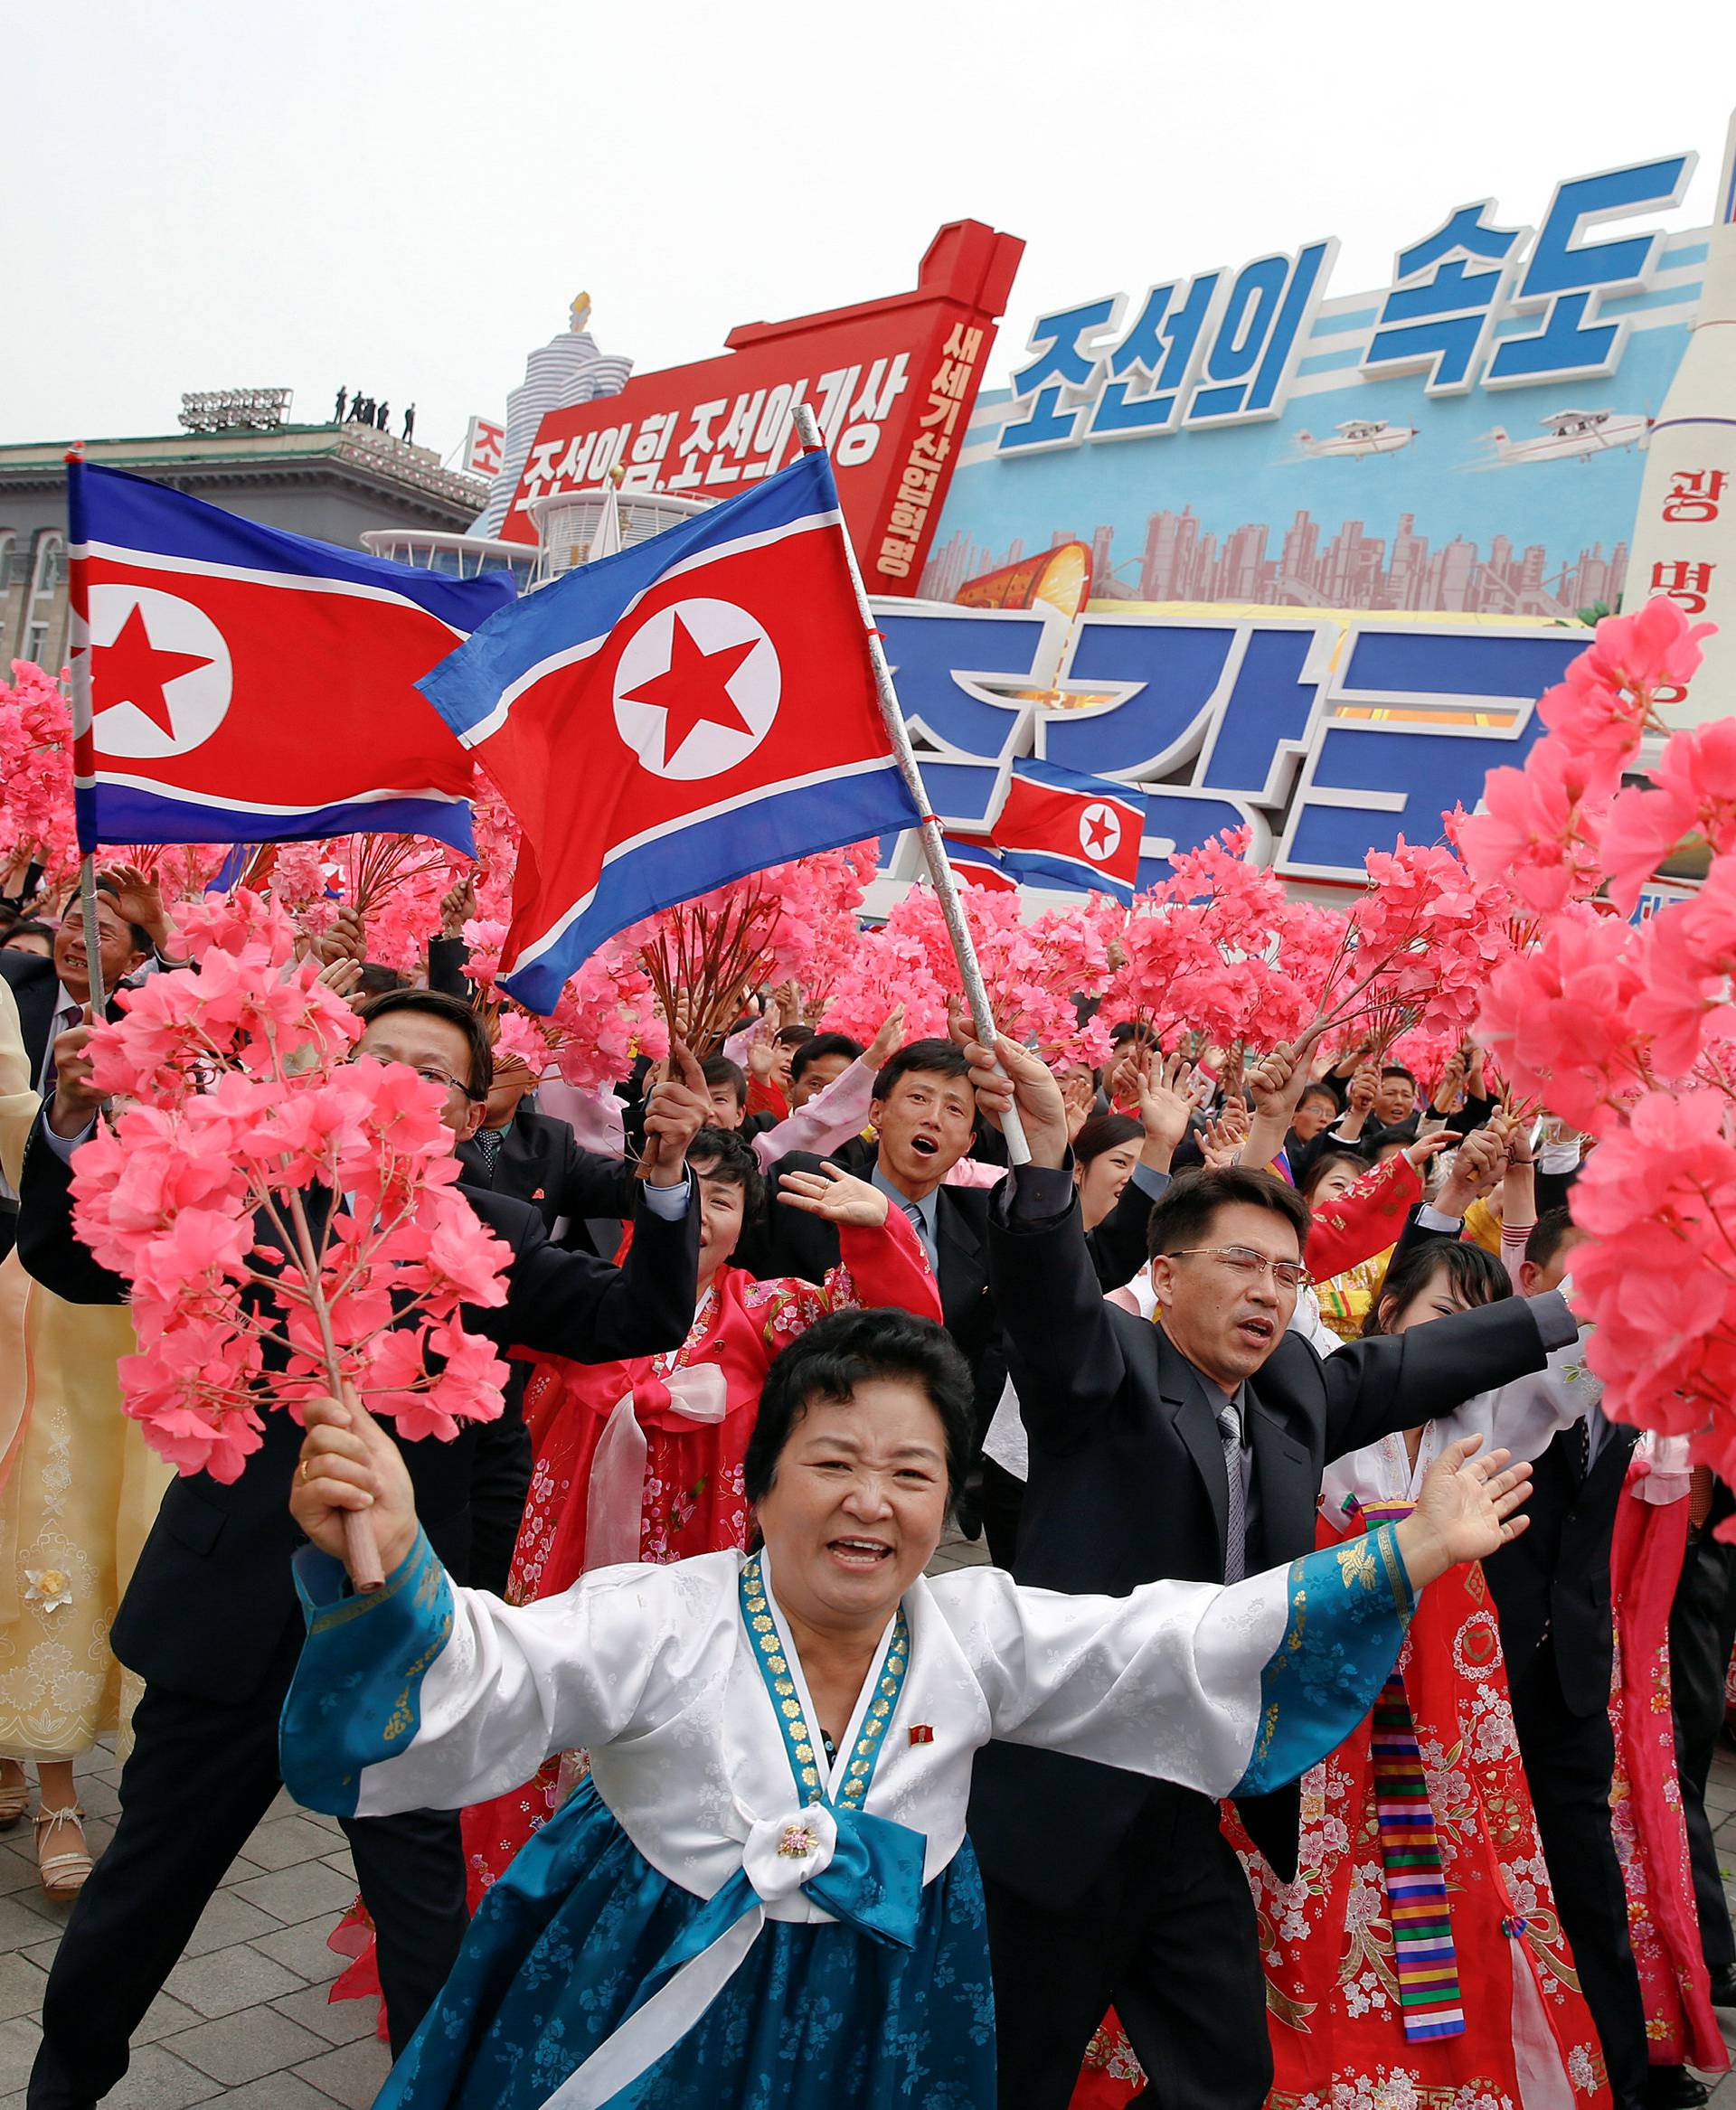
x=615, y=1498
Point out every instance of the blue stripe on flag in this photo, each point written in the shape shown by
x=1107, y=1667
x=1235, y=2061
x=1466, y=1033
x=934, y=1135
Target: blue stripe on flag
x=587, y=603
x=1055, y=778
x=130, y=815
x=817, y=817
x=1071, y=873
x=134, y=514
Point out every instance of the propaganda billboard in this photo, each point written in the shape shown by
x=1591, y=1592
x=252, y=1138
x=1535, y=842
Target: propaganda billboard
x=892, y=383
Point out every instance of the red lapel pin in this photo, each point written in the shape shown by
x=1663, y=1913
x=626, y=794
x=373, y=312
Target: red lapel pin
x=921, y=1733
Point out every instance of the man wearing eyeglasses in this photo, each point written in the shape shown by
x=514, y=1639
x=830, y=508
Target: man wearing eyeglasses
x=1190, y=1447
x=210, y=1619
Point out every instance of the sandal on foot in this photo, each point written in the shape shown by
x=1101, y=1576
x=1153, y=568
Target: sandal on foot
x=62, y=1874
x=14, y=1799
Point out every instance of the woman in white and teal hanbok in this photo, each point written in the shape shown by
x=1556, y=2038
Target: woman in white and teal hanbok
x=736, y=1909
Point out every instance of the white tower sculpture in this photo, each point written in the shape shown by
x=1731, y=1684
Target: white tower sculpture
x=569, y=369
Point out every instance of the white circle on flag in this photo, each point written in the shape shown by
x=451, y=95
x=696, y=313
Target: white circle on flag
x=176, y=657
x=696, y=689
x=1100, y=832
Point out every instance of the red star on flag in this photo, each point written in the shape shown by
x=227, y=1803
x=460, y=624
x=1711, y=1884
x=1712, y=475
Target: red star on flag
x=694, y=689
x=132, y=670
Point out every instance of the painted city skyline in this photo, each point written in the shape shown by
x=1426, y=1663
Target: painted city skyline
x=1179, y=559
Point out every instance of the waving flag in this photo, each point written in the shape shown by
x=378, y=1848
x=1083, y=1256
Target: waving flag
x=1060, y=829
x=978, y=865
x=667, y=720
x=250, y=686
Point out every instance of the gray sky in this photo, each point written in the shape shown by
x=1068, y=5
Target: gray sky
x=403, y=197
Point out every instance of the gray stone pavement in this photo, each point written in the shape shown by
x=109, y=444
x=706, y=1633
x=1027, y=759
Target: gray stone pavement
x=244, y=2019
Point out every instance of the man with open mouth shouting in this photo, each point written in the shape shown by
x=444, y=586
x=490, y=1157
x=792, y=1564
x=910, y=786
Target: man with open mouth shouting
x=1190, y=1448
x=925, y=1118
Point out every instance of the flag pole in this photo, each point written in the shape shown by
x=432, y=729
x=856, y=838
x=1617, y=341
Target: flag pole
x=941, y=875
x=84, y=757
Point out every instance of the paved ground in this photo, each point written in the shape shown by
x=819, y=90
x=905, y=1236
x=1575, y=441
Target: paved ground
x=244, y=2020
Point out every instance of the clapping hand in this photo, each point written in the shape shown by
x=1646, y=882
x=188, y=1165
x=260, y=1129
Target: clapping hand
x=1481, y=1160
x=835, y=1195
x=1465, y=1511
x=1080, y=1098
x=887, y=1042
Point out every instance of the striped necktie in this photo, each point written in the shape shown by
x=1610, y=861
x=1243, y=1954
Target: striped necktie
x=1235, y=1538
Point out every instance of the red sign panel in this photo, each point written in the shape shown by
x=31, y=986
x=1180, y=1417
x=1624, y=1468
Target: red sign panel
x=891, y=381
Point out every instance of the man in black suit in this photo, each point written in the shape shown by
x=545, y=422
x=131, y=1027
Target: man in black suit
x=52, y=994
x=1558, y=1635
x=1190, y=1449
x=210, y=1621
x=924, y=1113
x=534, y=1158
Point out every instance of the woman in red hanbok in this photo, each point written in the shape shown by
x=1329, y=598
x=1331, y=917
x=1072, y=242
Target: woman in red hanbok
x=1646, y=1796
x=641, y=1460
x=1362, y=2016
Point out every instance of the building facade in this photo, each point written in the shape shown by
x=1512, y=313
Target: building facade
x=332, y=482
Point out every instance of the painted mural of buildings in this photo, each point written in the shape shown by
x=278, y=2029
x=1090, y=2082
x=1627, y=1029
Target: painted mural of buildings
x=1180, y=560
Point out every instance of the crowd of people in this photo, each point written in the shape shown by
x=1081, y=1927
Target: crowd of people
x=1329, y=1727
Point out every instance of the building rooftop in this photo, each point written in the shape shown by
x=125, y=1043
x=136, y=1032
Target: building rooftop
x=207, y=460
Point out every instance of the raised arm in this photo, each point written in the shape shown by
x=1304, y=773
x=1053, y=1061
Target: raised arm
x=1233, y=1690
x=423, y=1695
x=1067, y=1362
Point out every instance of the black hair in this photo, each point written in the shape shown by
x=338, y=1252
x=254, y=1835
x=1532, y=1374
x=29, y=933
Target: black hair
x=455, y=1012
x=935, y=1058
x=26, y=926
x=1474, y=1272
x=1548, y=1235
x=1133, y=1028
x=1319, y=1089
x=725, y=1154
x=719, y=1070
x=1105, y=1132
x=1318, y=1169
x=1185, y=1214
x=818, y=1046
x=1398, y=1070
x=847, y=1349
x=795, y=1036
x=380, y=981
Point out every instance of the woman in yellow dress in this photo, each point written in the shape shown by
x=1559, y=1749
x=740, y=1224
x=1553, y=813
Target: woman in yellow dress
x=77, y=1491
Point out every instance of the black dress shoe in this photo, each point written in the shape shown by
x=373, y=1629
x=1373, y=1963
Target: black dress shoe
x=1724, y=1989
x=1674, y=2087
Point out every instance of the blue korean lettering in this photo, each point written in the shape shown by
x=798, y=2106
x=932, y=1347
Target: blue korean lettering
x=1059, y=362
x=944, y=664
x=1566, y=280
x=1259, y=335
x=1366, y=785
x=1438, y=312
x=1162, y=350
x=1170, y=673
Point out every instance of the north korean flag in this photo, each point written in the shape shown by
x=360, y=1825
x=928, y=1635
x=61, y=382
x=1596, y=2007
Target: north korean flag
x=1057, y=828
x=675, y=716
x=978, y=865
x=250, y=686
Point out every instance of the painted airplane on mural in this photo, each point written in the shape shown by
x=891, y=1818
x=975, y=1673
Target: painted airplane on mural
x=1360, y=437
x=1569, y=435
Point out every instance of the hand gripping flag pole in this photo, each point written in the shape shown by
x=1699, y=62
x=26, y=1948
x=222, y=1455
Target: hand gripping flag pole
x=940, y=871
x=84, y=768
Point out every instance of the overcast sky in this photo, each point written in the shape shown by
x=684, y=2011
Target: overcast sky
x=403, y=197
